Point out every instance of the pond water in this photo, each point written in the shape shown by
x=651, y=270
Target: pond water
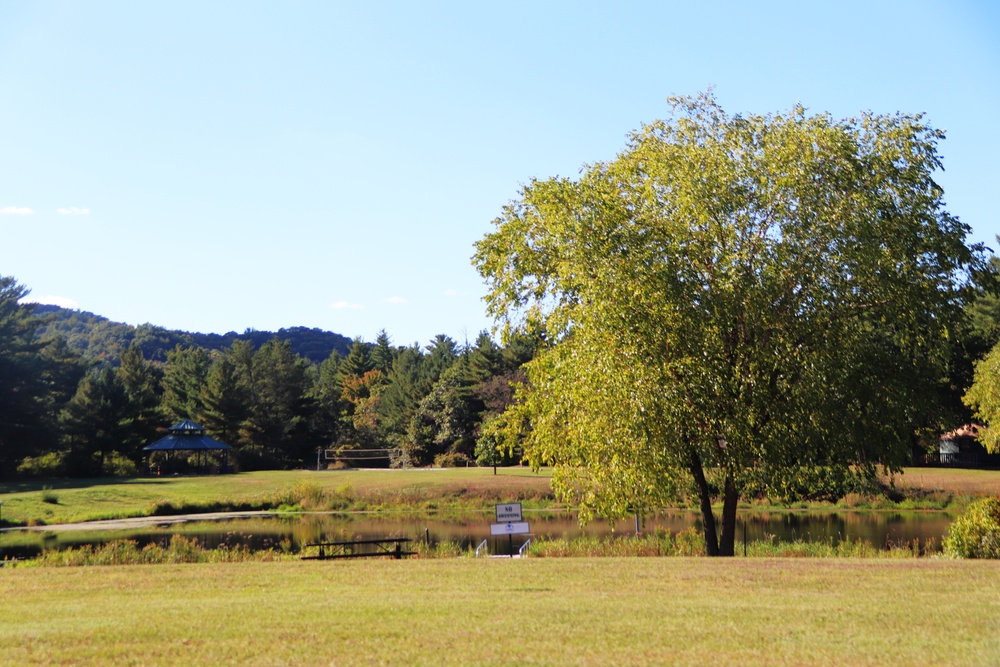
x=880, y=528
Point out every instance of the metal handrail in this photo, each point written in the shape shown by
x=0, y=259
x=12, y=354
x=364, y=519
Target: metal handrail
x=481, y=545
x=524, y=547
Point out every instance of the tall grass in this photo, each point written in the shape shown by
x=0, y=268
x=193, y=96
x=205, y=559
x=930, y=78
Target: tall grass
x=690, y=542
x=178, y=549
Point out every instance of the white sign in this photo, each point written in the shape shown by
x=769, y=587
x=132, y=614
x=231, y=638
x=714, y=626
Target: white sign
x=509, y=513
x=509, y=528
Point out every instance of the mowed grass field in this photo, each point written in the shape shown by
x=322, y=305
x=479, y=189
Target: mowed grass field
x=958, y=481
x=585, y=611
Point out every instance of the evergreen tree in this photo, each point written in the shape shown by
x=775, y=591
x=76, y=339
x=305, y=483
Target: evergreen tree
x=37, y=378
x=225, y=402
x=442, y=429
x=143, y=386
x=281, y=405
x=401, y=397
x=329, y=404
x=184, y=378
x=441, y=354
x=382, y=353
x=358, y=361
x=96, y=422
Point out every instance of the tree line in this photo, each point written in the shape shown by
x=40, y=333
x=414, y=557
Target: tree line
x=66, y=412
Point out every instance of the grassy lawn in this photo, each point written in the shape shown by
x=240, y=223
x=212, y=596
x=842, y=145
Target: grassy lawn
x=958, y=481
x=65, y=501
x=655, y=611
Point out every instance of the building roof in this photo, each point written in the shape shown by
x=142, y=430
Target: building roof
x=185, y=436
x=186, y=427
x=964, y=431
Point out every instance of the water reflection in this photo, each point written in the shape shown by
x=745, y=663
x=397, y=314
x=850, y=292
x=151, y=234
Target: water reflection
x=469, y=529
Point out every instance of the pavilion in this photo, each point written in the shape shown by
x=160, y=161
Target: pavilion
x=186, y=436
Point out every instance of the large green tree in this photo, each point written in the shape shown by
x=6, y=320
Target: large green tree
x=36, y=378
x=731, y=299
x=184, y=378
x=225, y=400
x=984, y=398
x=279, y=383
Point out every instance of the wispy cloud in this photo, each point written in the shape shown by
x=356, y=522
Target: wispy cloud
x=15, y=210
x=61, y=301
x=73, y=210
x=394, y=300
x=344, y=305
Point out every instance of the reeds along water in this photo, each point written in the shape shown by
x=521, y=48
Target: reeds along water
x=806, y=533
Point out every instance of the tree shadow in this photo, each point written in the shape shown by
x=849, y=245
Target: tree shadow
x=55, y=484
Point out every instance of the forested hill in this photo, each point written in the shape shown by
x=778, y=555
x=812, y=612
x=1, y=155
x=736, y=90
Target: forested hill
x=97, y=337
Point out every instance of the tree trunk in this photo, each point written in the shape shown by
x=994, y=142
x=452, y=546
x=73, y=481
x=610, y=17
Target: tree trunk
x=704, y=495
x=727, y=545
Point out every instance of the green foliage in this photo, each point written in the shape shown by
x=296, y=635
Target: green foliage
x=185, y=374
x=113, y=415
x=732, y=293
x=984, y=398
x=358, y=360
x=976, y=533
x=442, y=427
x=452, y=460
x=279, y=384
x=99, y=339
x=36, y=378
x=59, y=415
x=50, y=464
x=810, y=483
x=117, y=465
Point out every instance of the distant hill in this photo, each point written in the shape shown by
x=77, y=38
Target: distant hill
x=98, y=338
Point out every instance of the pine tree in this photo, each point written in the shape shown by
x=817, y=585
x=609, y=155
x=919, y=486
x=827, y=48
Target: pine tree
x=382, y=353
x=184, y=377
x=225, y=402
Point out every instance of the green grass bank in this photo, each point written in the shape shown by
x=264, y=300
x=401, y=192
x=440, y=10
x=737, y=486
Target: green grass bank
x=69, y=501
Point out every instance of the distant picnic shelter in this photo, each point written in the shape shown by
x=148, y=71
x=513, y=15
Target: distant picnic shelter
x=186, y=438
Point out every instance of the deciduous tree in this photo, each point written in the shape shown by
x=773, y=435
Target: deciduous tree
x=730, y=299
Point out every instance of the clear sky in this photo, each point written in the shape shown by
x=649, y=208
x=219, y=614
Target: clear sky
x=213, y=166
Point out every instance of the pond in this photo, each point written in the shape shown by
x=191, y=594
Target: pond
x=880, y=528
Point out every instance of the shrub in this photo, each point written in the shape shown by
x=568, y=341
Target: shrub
x=451, y=460
x=976, y=533
x=116, y=465
x=46, y=465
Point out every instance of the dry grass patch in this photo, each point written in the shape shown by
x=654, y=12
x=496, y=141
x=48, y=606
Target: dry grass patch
x=957, y=481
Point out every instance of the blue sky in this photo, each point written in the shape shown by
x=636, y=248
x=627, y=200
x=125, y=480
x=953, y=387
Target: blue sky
x=213, y=166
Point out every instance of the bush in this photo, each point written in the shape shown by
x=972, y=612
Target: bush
x=976, y=533
x=46, y=465
x=116, y=465
x=451, y=460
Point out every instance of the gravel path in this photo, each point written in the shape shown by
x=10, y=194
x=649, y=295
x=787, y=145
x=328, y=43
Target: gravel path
x=138, y=522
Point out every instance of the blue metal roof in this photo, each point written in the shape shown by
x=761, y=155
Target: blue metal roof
x=185, y=443
x=186, y=427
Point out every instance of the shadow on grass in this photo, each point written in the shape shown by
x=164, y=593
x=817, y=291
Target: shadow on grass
x=61, y=483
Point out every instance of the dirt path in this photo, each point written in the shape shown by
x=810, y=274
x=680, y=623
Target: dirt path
x=138, y=522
